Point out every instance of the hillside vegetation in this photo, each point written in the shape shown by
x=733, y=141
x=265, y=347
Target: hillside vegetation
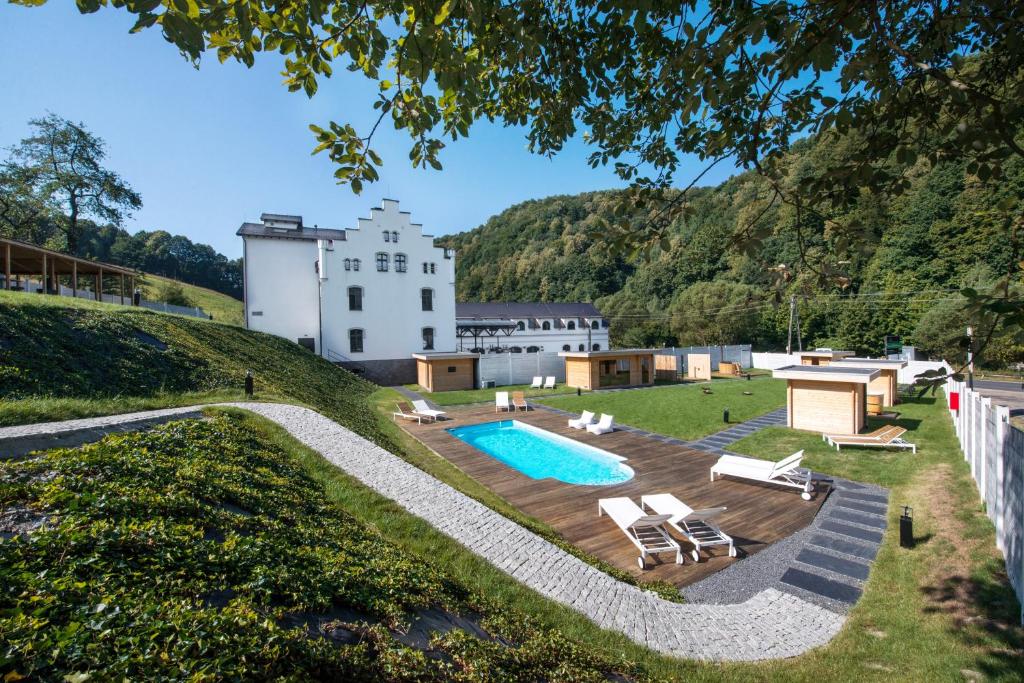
x=915, y=250
x=222, y=307
x=66, y=349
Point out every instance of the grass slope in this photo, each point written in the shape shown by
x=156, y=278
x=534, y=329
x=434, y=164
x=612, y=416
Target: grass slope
x=683, y=410
x=203, y=550
x=59, y=349
x=222, y=307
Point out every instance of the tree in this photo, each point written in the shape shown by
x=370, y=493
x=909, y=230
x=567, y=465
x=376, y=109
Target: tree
x=173, y=293
x=61, y=166
x=23, y=215
x=710, y=313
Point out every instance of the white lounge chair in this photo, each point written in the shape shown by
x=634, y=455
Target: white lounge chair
x=422, y=408
x=785, y=472
x=697, y=526
x=646, y=532
x=581, y=422
x=537, y=383
x=501, y=402
x=404, y=410
x=603, y=426
x=889, y=436
x=549, y=383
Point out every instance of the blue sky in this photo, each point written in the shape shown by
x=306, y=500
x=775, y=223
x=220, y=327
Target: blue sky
x=210, y=148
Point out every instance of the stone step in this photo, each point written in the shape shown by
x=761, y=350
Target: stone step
x=852, y=531
x=837, y=565
x=815, y=583
x=840, y=545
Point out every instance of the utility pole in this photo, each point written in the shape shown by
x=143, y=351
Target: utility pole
x=794, y=317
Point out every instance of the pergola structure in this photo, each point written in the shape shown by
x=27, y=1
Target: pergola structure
x=483, y=328
x=23, y=262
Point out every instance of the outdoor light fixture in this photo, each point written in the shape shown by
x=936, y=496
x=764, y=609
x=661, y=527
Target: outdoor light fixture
x=725, y=416
x=579, y=392
x=907, y=527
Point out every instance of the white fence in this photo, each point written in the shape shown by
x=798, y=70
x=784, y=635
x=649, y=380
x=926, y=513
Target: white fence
x=907, y=375
x=733, y=353
x=520, y=368
x=994, y=449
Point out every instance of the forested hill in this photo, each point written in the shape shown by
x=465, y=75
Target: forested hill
x=918, y=248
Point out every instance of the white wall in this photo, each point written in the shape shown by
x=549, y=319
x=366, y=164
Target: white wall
x=300, y=286
x=547, y=340
x=392, y=317
x=281, y=289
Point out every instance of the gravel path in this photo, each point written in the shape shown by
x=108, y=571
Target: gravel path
x=770, y=624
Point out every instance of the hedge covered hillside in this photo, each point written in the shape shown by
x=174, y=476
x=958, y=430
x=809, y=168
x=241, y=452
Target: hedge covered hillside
x=201, y=550
x=65, y=348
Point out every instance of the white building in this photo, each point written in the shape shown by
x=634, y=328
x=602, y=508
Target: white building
x=366, y=297
x=530, y=327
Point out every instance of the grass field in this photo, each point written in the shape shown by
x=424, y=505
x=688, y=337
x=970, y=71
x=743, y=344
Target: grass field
x=683, y=411
x=222, y=307
x=453, y=398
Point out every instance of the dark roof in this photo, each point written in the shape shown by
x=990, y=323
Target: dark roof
x=260, y=230
x=513, y=309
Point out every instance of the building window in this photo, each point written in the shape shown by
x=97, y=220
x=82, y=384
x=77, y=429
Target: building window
x=565, y=347
x=355, y=341
x=532, y=349
x=433, y=268
x=596, y=347
x=545, y=325
x=387, y=236
x=516, y=349
x=521, y=326
x=355, y=298
x=394, y=236
x=399, y=262
x=348, y=264
x=604, y=324
x=382, y=262
x=594, y=325
x=355, y=264
x=425, y=268
x=571, y=325
x=428, y=338
x=427, y=299
x=583, y=347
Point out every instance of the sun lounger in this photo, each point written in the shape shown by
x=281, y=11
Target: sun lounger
x=890, y=436
x=646, y=532
x=785, y=472
x=537, y=383
x=698, y=526
x=519, y=401
x=501, y=402
x=603, y=426
x=421, y=408
x=581, y=422
x=549, y=382
x=405, y=410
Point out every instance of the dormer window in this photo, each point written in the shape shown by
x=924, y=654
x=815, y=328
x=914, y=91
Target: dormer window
x=387, y=236
x=521, y=326
x=382, y=262
x=546, y=325
x=571, y=325
x=595, y=325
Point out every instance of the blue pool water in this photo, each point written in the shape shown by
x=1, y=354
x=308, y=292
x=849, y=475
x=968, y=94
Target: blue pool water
x=539, y=454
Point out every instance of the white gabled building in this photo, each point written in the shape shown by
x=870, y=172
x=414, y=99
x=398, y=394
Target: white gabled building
x=366, y=297
x=530, y=327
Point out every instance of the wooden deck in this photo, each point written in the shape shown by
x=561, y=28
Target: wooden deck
x=758, y=515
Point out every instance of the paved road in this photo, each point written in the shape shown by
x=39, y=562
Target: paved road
x=998, y=385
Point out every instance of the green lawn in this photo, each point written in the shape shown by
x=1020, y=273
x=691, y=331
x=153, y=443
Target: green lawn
x=683, y=411
x=453, y=398
x=222, y=307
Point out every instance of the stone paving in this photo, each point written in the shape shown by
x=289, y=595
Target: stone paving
x=717, y=442
x=768, y=625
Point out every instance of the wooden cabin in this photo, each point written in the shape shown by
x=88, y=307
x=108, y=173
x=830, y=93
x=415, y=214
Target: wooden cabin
x=607, y=369
x=446, y=371
x=886, y=383
x=830, y=399
x=821, y=356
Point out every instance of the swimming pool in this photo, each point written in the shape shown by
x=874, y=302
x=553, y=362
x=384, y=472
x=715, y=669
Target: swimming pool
x=540, y=454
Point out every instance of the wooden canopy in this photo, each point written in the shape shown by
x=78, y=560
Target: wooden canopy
x=23, y=261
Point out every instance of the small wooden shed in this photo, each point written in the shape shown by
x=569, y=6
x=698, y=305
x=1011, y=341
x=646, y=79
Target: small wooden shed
x=446, y=371
x=606, y=369
x=821, y=356
x=698, y=366
x=886, y=383
x=830, y=400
